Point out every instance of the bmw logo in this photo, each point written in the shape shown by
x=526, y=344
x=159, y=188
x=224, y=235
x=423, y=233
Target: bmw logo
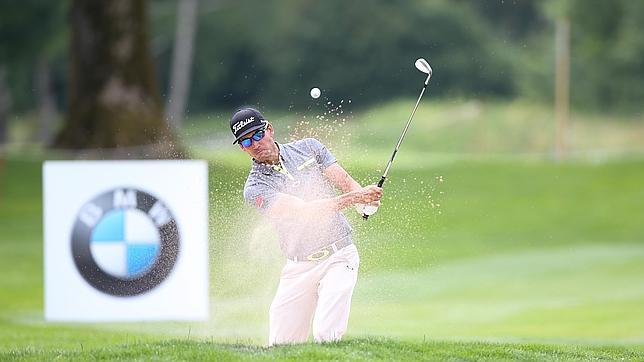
x=125, y=242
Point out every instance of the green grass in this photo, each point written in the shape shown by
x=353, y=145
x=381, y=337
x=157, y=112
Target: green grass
x=520, y=251
x=479, y=255
x=353, y=349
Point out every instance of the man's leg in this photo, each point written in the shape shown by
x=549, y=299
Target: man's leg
x=293, y=305
x=335, y=291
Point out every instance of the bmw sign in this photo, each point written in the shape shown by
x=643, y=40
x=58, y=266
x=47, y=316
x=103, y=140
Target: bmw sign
x=125, y=242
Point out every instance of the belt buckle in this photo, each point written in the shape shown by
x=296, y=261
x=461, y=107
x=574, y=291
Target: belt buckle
x=319, y=255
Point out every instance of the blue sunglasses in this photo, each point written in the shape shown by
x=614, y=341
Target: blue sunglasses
x=257, y=136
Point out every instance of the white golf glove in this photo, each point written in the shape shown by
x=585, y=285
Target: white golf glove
x=368, y=210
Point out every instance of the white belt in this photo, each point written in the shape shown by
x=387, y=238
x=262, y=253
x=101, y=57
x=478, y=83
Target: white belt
x=324, y=252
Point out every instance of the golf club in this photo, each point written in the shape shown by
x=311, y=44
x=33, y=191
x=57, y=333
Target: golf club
x=422, y=65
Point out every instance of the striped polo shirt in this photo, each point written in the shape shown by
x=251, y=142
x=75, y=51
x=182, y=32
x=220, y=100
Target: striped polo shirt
x=300, y=174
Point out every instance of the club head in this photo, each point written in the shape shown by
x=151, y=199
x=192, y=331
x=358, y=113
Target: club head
x=422, y=65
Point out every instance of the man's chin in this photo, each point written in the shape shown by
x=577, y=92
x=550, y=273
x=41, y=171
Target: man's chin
x=263, y=156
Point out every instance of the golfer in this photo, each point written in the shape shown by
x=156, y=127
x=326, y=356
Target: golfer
x=292, y=185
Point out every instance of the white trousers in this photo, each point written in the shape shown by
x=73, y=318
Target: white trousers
x=318, y=290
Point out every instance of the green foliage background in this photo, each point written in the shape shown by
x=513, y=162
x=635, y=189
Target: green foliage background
x=272, y=53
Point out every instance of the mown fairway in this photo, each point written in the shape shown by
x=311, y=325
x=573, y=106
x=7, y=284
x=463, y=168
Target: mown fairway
x=469, y=258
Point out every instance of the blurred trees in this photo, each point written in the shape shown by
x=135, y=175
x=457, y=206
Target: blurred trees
x=608, y=53
x=272, y=53
x=113, y=94
x=359, y=50
x=28, y=36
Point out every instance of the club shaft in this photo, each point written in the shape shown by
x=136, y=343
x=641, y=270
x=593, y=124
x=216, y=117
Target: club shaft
x=402, y=136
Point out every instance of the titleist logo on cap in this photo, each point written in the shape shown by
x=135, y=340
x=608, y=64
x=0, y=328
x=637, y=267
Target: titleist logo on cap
x=237, y=126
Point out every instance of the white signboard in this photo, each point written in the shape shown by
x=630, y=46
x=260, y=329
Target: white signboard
x=126, y=240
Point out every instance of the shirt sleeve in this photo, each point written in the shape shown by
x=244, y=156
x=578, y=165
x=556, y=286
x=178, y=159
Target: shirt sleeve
x=259, y=194
x=323, y=156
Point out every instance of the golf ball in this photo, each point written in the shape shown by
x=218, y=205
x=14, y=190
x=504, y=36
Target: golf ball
x=315, y=92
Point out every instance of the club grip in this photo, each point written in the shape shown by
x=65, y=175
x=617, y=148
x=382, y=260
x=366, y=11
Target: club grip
x=380, y=183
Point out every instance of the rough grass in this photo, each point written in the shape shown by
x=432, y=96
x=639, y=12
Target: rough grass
x=370, y=349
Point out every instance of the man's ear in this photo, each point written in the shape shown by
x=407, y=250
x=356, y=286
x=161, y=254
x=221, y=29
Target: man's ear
x=269, y=128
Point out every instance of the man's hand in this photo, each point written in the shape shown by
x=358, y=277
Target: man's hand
x=367, y=195
x=355, y=194
x=371, y=200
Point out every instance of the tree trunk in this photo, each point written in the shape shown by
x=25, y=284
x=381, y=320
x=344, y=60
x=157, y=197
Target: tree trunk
x=562, y=85
x=46, y=103
x=181, y=61
x=113, y=95
x=5, y=104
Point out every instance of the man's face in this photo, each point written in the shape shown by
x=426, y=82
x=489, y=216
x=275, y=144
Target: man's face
x=262, y=150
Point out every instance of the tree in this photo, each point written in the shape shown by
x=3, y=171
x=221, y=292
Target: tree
x=51, y=55
x=5, y=104
x=181, y=61
x=113, y=95
x=46, y=99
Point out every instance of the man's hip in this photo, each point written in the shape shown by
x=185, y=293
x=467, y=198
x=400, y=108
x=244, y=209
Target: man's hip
x=323, y=252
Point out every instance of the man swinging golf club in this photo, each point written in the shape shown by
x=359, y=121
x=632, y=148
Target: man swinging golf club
x=292, y=184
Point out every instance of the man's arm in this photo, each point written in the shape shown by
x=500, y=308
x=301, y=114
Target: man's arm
x=291, y=207
x=341, y=178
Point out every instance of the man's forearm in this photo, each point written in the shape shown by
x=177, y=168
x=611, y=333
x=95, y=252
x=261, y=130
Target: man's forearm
x=291, y=207
x=353, y=185
x=338, y=176
x=330, y=205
